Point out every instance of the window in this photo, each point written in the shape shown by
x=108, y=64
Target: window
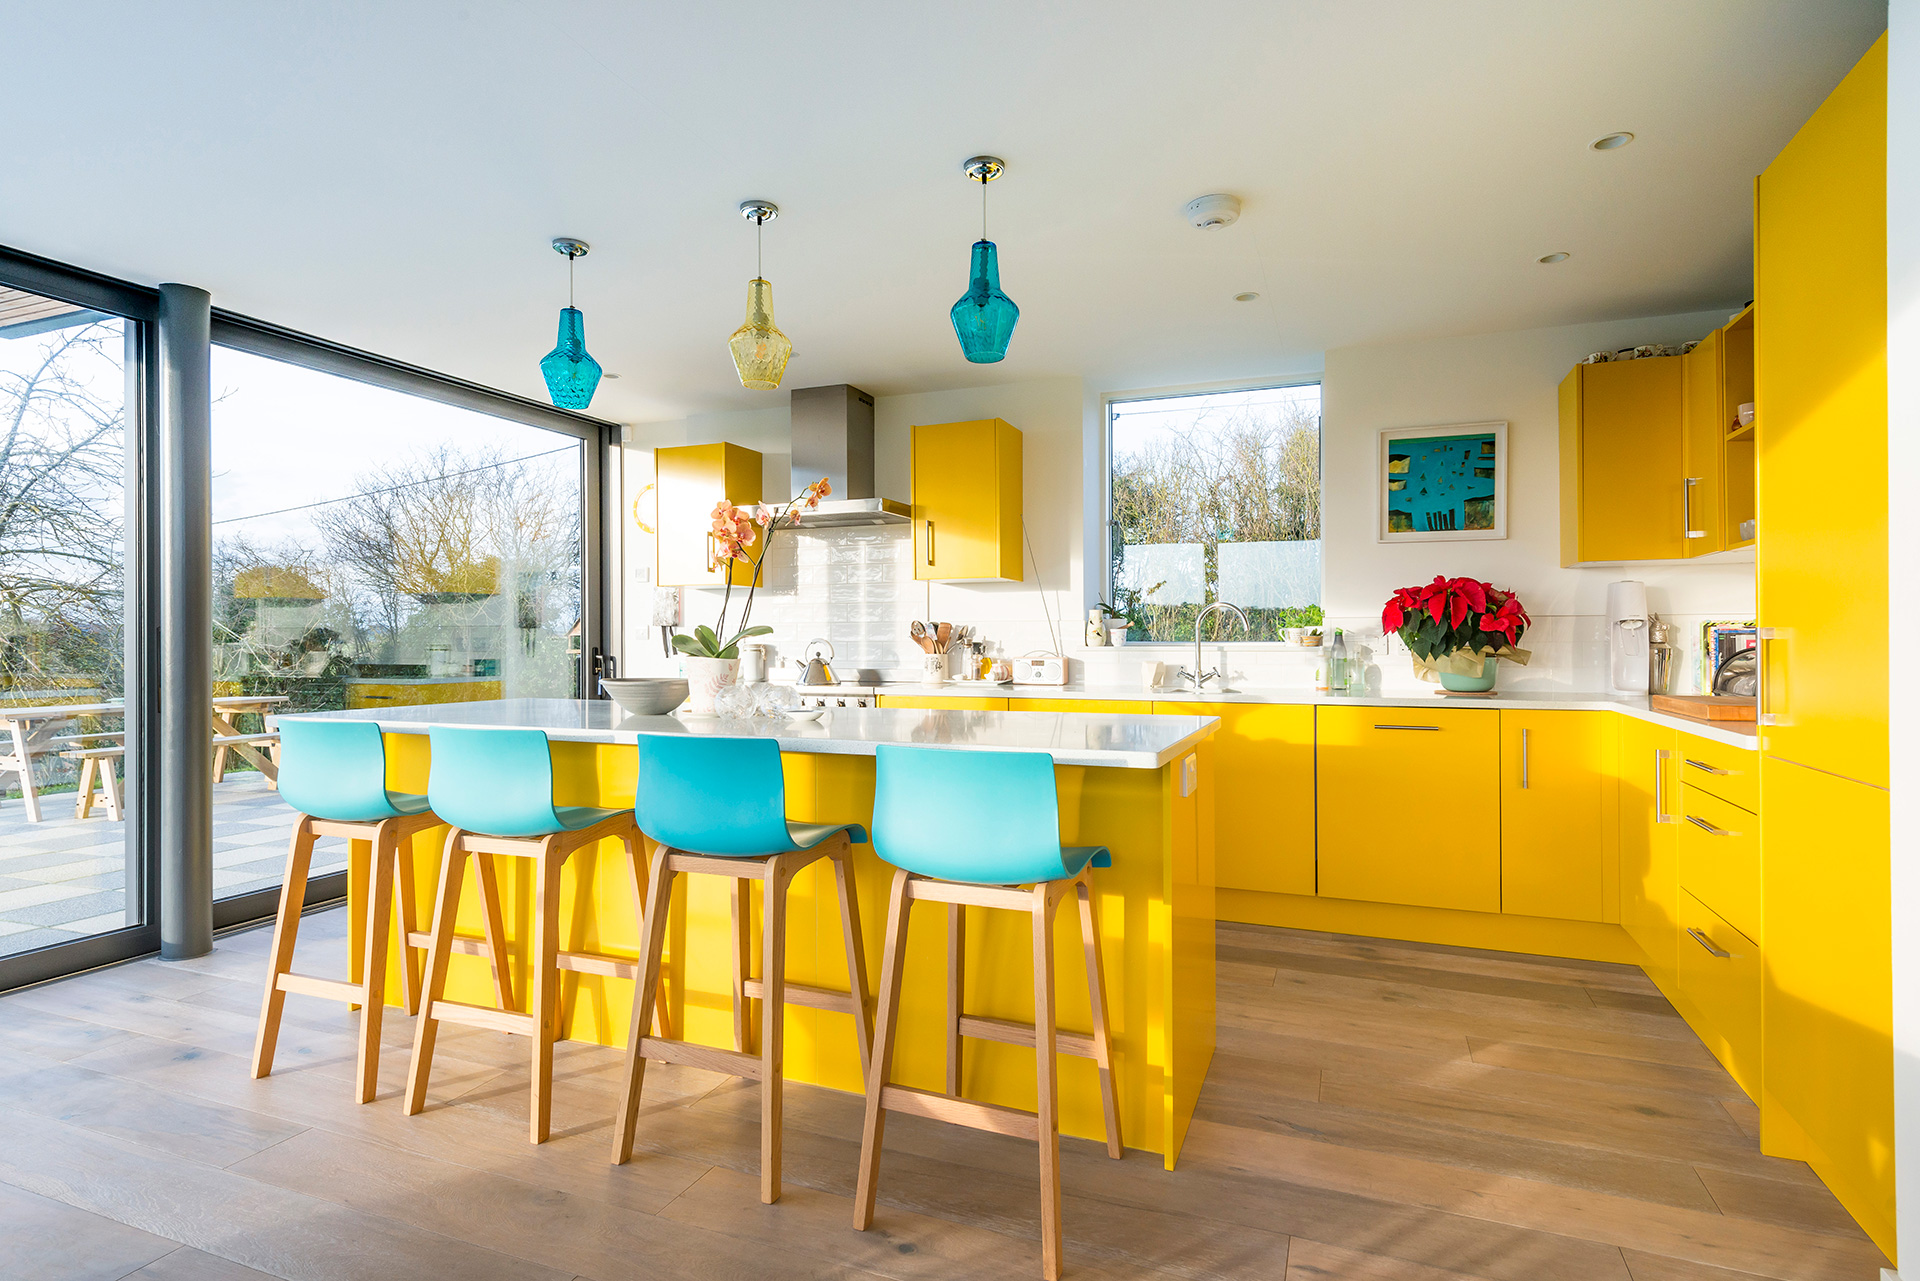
x=70, y=868
x=374, y=549
x=1215, y=497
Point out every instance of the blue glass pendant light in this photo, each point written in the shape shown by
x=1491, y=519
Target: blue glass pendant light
x=984, y=318
x=570, y=372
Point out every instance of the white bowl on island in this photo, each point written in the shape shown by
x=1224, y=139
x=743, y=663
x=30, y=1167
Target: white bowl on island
x=645, y=695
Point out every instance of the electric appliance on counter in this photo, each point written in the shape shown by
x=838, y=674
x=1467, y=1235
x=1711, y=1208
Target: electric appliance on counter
x=1047, y=669
x=1627, y=651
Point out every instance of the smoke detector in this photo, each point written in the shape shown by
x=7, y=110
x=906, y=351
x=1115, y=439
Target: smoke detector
x=1209, y=212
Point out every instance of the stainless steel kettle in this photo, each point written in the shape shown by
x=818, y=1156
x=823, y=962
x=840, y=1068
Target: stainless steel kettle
x=818, y=673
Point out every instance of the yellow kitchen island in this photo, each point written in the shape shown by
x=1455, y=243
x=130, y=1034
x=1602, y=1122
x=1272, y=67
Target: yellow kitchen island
x=1138, y=784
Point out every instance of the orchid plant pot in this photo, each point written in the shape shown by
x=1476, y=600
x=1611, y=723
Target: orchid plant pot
x=1471, y=684
x=706, y=677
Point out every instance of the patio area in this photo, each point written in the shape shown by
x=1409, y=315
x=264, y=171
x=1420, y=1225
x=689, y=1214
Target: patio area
x=65, y=878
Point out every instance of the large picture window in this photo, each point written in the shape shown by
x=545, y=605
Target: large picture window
x=1215, y=497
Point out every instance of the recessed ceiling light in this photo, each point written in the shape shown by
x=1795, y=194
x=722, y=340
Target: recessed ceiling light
x=1611, y=141
x=609, y=375
x=1550, y=259
x=1245, y=297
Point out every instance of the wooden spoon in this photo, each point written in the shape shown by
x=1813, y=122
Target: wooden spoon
x=944, y=637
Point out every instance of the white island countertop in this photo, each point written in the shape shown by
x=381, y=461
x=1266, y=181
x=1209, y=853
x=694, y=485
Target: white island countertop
x=1072, y=738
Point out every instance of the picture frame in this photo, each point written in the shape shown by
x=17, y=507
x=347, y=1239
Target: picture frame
x=1442, y=484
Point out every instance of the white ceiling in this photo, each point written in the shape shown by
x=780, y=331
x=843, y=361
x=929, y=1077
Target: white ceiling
x=388, y=174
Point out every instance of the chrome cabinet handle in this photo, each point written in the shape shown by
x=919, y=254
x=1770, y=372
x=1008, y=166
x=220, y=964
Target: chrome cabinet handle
x=1660, y=757
x=1523, y=758
x=1709, y=828
x=1709, y=769
x=929, y=542
x=1687, y=509
x=1434, y=729
x=1761, y=635
x=1707, y=943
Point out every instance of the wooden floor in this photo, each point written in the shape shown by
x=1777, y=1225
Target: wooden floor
x=1378, y=1111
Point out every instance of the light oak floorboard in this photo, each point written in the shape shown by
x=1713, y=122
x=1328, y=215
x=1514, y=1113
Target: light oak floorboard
x=46, y=1240
x=189, y=1264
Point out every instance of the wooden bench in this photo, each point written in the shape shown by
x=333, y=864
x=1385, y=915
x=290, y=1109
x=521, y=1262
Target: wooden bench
x=247, y=747
x=96, y=767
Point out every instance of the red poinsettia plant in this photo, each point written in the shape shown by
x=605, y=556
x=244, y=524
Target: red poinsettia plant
x=1451, y=615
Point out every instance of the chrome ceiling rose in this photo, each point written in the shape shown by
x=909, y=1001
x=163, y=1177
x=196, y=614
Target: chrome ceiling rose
x=570, y=247
x=984, y=168
x=759, y=212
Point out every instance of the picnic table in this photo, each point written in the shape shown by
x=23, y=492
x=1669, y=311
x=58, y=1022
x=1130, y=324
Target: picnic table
x=26, y=732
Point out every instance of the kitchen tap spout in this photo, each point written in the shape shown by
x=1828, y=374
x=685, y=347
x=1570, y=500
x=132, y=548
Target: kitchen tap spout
x=1198, y=674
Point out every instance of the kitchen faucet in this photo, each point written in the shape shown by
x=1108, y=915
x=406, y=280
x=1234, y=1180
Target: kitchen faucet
x=1196, y=674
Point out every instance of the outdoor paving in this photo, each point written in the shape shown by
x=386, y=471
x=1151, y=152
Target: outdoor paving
x=65, y=878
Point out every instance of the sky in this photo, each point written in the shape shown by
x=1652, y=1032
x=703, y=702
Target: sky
x=1139, y=423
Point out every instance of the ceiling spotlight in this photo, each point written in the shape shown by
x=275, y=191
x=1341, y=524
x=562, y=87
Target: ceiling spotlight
x=1210, y=212
x=1248, y=297
x=1610, y=141
x=1550, y=259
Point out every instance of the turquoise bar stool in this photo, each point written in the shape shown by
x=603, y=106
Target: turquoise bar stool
x=719, y=806
x=334, y=774
x=966, y=829
x=494, y=787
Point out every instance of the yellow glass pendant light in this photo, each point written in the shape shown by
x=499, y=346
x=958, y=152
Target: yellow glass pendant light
x=759, y=349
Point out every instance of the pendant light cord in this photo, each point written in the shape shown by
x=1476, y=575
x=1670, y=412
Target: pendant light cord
x=983, y=207
x=759, y=252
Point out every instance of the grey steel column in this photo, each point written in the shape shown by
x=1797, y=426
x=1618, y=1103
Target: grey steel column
x=184, y=780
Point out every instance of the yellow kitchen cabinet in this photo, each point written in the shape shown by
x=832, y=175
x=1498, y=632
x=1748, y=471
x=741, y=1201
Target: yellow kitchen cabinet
x=1557, y=813
x=1821, y=281
x=1730, y=773
x=1089, y=706
x=967, y=500
x=1737, y=450
x=1408, y=805
x=934, y=702
x=1827, y=999
x=1622, y=462
x=1649, y=844
x=1703, y=385
x=1263, y=794
x=688, y=481
x=1719, y=974
x=1720, y=858
x=362, y=694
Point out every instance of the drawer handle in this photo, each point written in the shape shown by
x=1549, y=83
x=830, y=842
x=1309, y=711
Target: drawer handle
x=1707, y=943
x=1706, y=768
x=1433, y=728
x=1709, y=828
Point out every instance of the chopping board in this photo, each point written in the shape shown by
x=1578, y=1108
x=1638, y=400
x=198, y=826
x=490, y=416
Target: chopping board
x=1705, y=707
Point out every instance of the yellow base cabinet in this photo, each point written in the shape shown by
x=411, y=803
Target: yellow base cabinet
x=1557, y=812
x=1719, y=974
x=1649, y=879
x=1263, y=794
x=1622, y=462
x=1086, y=706
x=939, y=703
x=1720, y=858
x=1408, y=805
x=968, y=483
x=688, y=481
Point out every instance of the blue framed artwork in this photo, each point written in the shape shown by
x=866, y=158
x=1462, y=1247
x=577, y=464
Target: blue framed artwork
x=1442, y=484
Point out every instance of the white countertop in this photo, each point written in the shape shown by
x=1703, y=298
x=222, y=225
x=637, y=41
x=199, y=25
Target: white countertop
x=1741, y=734
x=1122, y=741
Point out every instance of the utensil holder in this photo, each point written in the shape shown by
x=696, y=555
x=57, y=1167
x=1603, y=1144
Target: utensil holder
x=933, y=669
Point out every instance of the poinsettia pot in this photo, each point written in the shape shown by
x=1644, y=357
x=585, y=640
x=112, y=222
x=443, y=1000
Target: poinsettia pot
x=1471, y=684
x=706, y=677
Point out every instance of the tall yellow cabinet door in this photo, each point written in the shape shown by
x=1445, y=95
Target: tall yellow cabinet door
x=968, y=481
x=1623, y=458
x=1821, y=423
x=688, y=481
x=1557, y=815
x=1408, y=802
x=1649, y=784
x=1263, y=826
x=1703, y=487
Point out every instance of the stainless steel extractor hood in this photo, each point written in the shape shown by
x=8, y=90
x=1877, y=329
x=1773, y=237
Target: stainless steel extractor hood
x=833, y=437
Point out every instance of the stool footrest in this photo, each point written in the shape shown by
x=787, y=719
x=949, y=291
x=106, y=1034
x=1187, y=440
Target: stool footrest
x=817, y=998
x=710, y=1057
x=463, y=944
x=1007, y=1032
x=944, y=1107
x=483, y=1016
x=313, y=985
x=617, y=967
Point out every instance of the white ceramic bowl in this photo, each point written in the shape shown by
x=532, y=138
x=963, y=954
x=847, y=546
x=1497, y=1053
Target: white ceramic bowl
x=645, y=695
x=804, y=713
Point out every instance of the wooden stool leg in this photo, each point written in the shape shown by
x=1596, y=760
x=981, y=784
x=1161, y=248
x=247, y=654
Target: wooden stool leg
x=653, y=937
x=1047, y=1069
x=1097, y=999
x=373, y=987
x=446, y=904
x=110, y=786
x=407, y=894
x=286, y=928
x=636, y=864
x=741, y=902
x=956, y=990
x=546, y=983
x=856, y=951
x=496, y=931
x=773, y=1023
x=873, y=1130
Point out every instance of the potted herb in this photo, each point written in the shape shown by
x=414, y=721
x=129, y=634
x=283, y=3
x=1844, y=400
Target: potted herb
x=711, y=663
x=1124, y=613
x=1457, y=629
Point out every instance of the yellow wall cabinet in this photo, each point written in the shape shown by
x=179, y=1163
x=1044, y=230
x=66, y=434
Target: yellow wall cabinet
x=1622, y=462
x=688, y=481
x=1649, y=848
x=967, y=497
x=1557, y=814
x=1263, y=794
x=1408, y=805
